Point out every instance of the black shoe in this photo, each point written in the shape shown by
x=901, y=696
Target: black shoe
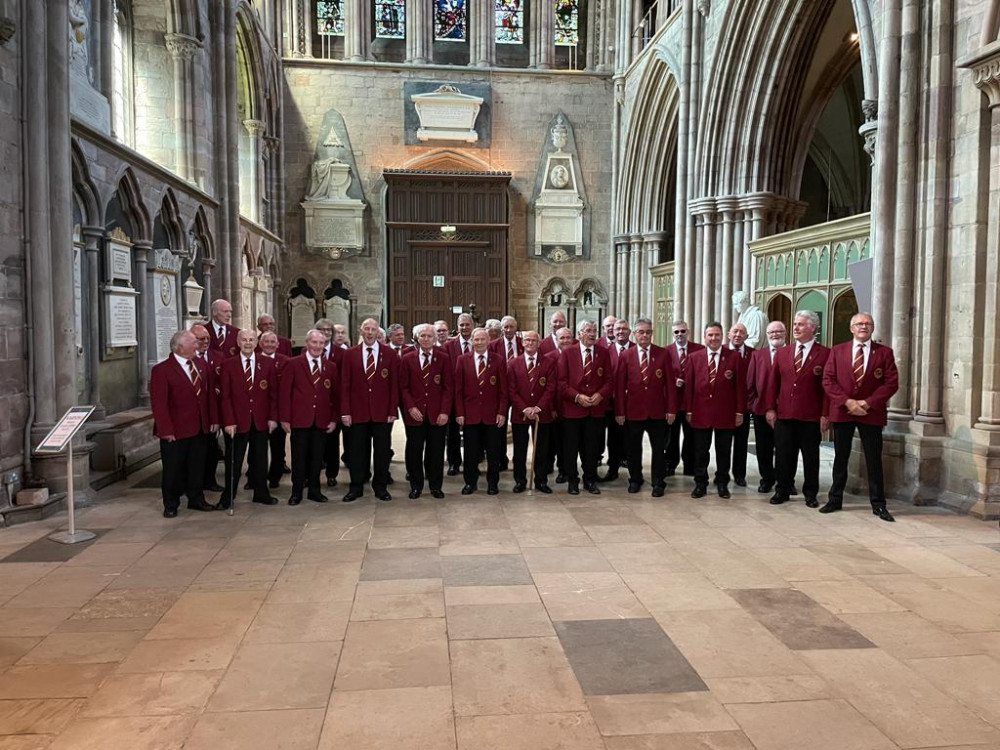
x=320, y=498
x=294, y=500
x=741, y=481
x=350, y=497
x=519, y=487
x=777, y=499
x=633, y=487
x=414, y=494
x=274, y=483
x=269, y=500
x=724, y=491
x=384, y=495
x=454, y=470
x=699, y=490
x=170, y=512
x=574, y=488
x=765, y=486
x=794, y=491
x=882, y=512
x=492, y=489
x=437, y=493
x=658, y=490
x=544, y=489
x=223, y=505
x=213, y=487
x=331, y=482
x=591, y=488
x=202, y=505
x=561, y=478
x=812, y=502
x=832, y=506
x=611, y=476
x=468, y=489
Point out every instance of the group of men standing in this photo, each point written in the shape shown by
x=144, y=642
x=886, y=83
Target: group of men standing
x=567, y=399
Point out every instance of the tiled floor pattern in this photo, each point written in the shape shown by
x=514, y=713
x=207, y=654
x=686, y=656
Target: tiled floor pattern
x=520, y=622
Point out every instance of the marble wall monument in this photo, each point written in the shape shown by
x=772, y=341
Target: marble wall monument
x=559, y=222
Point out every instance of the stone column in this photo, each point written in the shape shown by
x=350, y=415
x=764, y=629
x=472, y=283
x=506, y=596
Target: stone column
x=543, y=27
x=739, y=250
x=92, y=237
x=255, y=128
x=357, y=30
x=635, y=269
x=726, y=266
x=419, y=32
x=183, y=49
x=708, y=269
x=207, y=266
x=140, y=251
x=682, y=269
x=482, y=37
x=103, y=27
x=692, y=304
x=623, y=276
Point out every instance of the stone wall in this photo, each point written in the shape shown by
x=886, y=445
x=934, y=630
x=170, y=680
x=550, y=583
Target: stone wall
x=371, y=100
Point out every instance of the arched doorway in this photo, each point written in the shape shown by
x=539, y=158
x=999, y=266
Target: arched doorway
x=845, y=307
x=780, y=308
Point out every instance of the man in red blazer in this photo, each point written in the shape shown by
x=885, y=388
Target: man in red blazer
x=211, y=360
x=551, y=342
x=584, y=386
x=797, y=406
x=715, y=400
x=265, y=324
x=607, y=340
x=426, y=385
x=396, y=335
x=616, y=437
x=557, y=457
x=509, y=346
x=249, y=412
x=741, y=435
x=334, y=351
x=758, y=375
x=860, y=377
x=678, y=352
x=644, y=404
x=183, y=414
x=481, y=400
x=221, y=330
x=532, y=380
x=307, y=405
x=277, y=437
x=455, y=348
x=369, y=404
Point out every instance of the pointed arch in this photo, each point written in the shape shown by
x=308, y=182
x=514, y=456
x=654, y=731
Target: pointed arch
x=202, y=232
x=448, y=160
x=83, y=186
x=168, y=228
x=132, y=208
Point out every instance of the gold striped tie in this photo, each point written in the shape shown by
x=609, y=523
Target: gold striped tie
x=798, y=358
x=588, y=363
x=248, y=373
x=644, y=367
x=481, y=369
x=859, y=364
x=426, y=369
x=712, y=368
x=195, y=378
x=315, y=373
x=370, y=364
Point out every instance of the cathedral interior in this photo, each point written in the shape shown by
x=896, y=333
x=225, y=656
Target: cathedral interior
x=413, y=160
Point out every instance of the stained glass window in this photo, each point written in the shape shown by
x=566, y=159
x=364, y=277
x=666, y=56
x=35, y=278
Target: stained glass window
x=567, y=23
x=330, y=17
x=510, y=21
x=450, y=20
x=390, y=19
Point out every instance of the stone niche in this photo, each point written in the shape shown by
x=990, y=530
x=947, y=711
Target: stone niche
x=334, y=205
x=559, y=220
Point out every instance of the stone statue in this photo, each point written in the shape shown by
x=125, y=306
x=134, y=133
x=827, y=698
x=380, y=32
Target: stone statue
x=79, y=40
x=752, y=317
x=326, y=181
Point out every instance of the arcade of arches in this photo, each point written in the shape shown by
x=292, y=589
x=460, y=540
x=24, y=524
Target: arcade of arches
x=407, y=160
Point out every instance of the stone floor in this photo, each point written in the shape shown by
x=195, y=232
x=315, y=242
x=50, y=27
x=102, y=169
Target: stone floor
x=520, y=622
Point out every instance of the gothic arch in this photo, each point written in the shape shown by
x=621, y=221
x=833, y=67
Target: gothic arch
x=202, y=232
x=251, y=77
x=184, y=17
x=83, y=186
x=168, y=222
x=133, y=209
x=448, y=160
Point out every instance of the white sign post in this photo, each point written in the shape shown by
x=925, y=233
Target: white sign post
x=60, y=437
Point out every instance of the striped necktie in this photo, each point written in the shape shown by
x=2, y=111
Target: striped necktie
x=481, y=369
x=195, y=378
x=859, y=364
x=588, y=363
x=248, y=373
x=370, y=364
x=315, y=373
x=426, y=368
x=712, y=367
x=799, y=358
x=644, y=366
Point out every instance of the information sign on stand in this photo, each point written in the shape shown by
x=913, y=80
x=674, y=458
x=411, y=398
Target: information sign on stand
x=60, y=438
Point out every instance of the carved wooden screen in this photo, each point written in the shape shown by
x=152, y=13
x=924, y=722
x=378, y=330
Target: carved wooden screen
x=472, y=260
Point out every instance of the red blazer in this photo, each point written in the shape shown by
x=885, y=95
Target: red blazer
x=279, y=360
x=402, y=351
x=365, y=400
x=602, y=341
x=714, y=405
x=573, y=383
x=433, y=394
x=499, y=347
x=757, y=380
x=547, y=345
x=177, y=410
x=675, y=362
x=480, y=405
x=454, y=348
x=537, y=389
x=798, y=396
x=258, y=404
x=654, y=399
x=302, y=404
x=745, y=358
x=284, y=347
x=228, y=348
x=879, y=383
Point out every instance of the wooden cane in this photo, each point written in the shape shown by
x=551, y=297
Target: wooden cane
x=534, y=448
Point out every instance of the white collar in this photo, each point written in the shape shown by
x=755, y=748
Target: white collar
x=485, y=355
x=182, y=361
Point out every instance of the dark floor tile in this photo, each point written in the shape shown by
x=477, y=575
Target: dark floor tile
x=618, y=657
x=485, y=570
x=45, y=550
x=798, y=621
x=394, y=564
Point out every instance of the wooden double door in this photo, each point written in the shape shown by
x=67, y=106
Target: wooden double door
x=436, y=274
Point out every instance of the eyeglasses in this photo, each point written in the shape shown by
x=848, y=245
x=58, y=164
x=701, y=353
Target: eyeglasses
x=679, y=331
x=862, y=324
x=325, y=330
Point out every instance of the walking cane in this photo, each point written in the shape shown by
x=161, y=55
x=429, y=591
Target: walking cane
x=231, y=510
x=534, y=448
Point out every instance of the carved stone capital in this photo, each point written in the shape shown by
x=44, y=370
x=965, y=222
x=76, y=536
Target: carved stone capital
x=255, y=127
x=7, y=28
x=869, y=131
x=869, y=108
x=182, y=46
x=987, y=80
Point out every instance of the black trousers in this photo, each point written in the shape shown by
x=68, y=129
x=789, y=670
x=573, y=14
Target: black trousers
x=741, y=436
x=657, y=431
x=764, y=438
x=617, y=442
x=183, y=470
x=555, y=453
x=332, y=452
x=454, y=442
x=702, y=444
x=276, y=444
x=677, y=452
x=211, y=458
x=308, y=445
x=480, y=437
x=424, y=455
x=236, y=448
x=369, y=453
x=522, y=450
x=582, y=437
x=871, y=444
x=791, y=437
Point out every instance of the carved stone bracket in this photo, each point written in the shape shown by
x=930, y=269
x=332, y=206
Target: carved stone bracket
x=704, y=7
x=985, y=66
x=182, y=46
x=7, y=28
x=255, y=127
x=869, y=130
